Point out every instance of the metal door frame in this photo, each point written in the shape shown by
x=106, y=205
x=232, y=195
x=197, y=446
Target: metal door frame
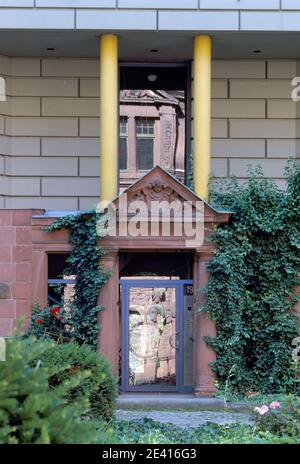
x=179, y=287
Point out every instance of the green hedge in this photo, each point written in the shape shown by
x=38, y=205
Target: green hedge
x=99, y=387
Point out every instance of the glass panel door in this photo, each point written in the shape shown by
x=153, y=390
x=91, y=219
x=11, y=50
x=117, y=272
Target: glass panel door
x=152, y=337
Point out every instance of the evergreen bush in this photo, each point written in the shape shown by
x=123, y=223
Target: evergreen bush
x=99, y=387
x=30, y=412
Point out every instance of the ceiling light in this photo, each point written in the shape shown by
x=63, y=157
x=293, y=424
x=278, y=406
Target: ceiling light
x=154, y=50
x=50, y=49
x=152, y=77
x=256, y=51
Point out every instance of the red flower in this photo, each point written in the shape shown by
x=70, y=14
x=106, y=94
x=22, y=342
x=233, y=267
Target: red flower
x=40, y=321
x=55, y=310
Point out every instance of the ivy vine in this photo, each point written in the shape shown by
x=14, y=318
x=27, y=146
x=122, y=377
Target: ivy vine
x=251, y=289
x=84, y=262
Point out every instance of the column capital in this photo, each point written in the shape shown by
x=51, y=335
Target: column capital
x=114, y=36
x=110, y=255
x=204, y=256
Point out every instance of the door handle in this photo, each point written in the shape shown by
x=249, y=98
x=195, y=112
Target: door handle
x=177, y=340
x=174, y=340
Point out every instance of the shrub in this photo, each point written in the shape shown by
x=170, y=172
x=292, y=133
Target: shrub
x=99, y=387
x=52, y=322
x=29, y=411
x=281, y=419
x=83, y=262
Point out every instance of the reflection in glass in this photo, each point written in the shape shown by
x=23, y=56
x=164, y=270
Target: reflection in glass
x=152, y=132
x=123, y=147
x=152, y=336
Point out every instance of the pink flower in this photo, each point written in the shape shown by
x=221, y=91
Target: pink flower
x=262, y=410
x=275, y=405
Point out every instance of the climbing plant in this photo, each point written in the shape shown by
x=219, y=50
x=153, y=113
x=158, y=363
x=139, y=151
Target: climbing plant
x=251, y=289
x=84, y=262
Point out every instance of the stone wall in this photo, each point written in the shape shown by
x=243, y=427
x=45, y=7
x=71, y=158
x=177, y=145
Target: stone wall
x=24, y=249
x=254, y=118
x=16, y=268
x=49, y=127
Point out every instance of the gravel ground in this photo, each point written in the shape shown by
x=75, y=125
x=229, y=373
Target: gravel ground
x=185, y=419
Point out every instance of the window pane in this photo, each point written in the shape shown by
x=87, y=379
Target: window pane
x=144, y=126
x=60, y=285
x=123, y=153
x=144, y=148
x=123, y=125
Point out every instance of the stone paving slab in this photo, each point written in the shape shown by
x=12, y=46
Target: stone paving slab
x=175, y=401
x=185, y=419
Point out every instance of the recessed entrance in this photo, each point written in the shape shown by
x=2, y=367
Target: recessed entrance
x=156, y=294
x=154, y=262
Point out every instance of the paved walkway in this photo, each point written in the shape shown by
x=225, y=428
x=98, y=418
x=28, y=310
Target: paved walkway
x=185, y=418
x=177, y=401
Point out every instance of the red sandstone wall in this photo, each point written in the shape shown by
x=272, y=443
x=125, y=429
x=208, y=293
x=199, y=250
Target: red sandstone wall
x=16, y=253
x=23, y=250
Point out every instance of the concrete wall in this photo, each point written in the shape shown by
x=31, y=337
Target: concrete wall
x=49, y=127
x=164, y=15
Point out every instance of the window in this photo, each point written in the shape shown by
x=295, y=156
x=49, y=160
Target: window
x=60, y=286
x=145, y=144
x=123, y=147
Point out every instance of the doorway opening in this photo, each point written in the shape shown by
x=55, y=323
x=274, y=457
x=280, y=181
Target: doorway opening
x=154, y=120
x=157, y=322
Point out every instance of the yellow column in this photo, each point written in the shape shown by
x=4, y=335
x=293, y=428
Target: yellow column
x=109, y=125
x=202, y=114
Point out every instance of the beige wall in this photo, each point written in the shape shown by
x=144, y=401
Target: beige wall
x=49, y=127
x=254, y=118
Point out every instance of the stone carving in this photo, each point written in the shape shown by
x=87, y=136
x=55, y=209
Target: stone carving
x=157, y=191
x=166, y=157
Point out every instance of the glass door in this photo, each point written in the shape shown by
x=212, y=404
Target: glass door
x=157, y=335
x=152, y=337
